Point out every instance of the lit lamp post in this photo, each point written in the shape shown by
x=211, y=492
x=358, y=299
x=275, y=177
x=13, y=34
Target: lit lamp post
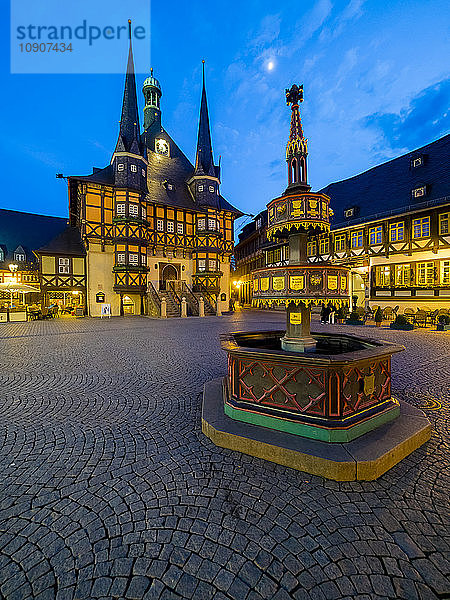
x=13, y=268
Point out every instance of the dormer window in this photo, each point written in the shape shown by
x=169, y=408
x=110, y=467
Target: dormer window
x=258, y=223
x=169, y=186
x=419, y=192
x=200, y=188
x=417, y=161
x=2, y=254
x=349, y=213
x=211, y=188
x=120, y=167
x=19, y=257
x=133, y=168
x=143, y=172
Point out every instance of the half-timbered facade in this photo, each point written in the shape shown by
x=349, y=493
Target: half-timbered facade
x=391, y=225
x=151, y=222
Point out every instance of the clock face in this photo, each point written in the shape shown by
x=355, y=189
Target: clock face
x=162, y=147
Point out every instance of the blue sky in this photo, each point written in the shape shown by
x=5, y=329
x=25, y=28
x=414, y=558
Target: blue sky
x=375, y=76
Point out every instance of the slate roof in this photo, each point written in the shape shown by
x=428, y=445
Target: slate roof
x=387, y=188
x=27, y=230
x=67, y=242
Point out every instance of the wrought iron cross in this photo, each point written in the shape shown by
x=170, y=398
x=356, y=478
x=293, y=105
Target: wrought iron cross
x=295, y=94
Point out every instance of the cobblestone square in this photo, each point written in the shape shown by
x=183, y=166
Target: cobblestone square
x=108, y=488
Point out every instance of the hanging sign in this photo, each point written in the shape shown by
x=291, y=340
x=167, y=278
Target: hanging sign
x=332, y=282
x=295, y=318
x=278, y=283
x=100, y=297
x=297, y=282
x=264, y=283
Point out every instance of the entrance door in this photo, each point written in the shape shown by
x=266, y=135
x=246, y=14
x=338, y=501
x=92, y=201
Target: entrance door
x=169, y=273
x=128, y=306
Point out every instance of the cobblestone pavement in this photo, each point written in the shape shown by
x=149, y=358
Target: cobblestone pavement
x=108, y=488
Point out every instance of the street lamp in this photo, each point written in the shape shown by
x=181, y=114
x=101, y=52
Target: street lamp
x=13, y=268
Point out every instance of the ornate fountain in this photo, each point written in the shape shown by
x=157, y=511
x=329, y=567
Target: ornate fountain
x=315, y=402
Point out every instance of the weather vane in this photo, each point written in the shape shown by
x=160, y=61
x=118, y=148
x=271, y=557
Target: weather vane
x=295, y=94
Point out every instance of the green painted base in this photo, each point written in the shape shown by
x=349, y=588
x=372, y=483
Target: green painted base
x=363, y=459
x=337, y=435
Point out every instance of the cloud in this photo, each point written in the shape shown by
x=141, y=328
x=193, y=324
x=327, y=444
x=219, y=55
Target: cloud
x=351, y=12
x=426, y=118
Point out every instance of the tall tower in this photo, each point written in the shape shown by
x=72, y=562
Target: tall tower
x=297, y=146
x=152, y=94
x=204, y=185
x=129, y=164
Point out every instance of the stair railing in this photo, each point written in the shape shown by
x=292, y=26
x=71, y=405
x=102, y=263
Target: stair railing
x=191, y=299
x=154, y=300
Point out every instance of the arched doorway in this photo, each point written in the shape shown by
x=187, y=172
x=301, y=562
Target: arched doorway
x=128, y=305
x=168, y=273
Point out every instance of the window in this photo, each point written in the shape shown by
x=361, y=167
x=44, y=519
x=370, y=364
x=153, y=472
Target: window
x=312, y=248
x=134, y=259
x=416, y=162
x=396, y=232
x=349, y=213
x=425, y=273
x=120, y=209
x=134, y=209
x=383, y=276
x=277, y=255
x=144, y=259
x=170, y=226
x=144, y=213
x=419, y=192
x=202, y=265
x=200, y=188
x=443, y=223
x=2, y=255
x=180, y=228
x=121, y=258
x=375, y=235
x=143, y=172
x=212, y=264
x=201, y=223
x=19, y=256
x=63, y=265
x=211, y=188
x=357, y=238
x=421, y=227
x=120, y=167
x=402, y=274
x=169, y=186
x=159, y=225
x=445, y=272
x=258, y=223
x=133, y=168
x=324, y=246
x=339, y=243
x=212, y=224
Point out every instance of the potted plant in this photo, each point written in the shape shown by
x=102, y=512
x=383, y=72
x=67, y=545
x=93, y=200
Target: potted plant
x=340, y=314
x=378, y=317
x=354, y=319
x=401, y=322
x=444, y=323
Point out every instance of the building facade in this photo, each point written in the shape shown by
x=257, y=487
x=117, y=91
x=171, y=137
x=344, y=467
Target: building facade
x=150, y=225
x=391, y=226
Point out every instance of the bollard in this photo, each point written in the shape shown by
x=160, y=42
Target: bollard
x=163, y=308
x=201, y=307
x=183, y=307
x=219, y=311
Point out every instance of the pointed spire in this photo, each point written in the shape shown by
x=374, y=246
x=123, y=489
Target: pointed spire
x=297, y=146
x=129, y=122
x=204, y=163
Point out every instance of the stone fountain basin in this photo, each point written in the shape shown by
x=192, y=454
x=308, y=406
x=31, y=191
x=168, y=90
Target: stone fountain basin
x=335, y=393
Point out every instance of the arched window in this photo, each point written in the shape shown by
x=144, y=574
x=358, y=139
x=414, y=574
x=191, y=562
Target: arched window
x=294, y=170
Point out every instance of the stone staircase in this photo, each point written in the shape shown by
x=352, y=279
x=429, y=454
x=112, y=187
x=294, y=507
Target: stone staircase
x=209, y=309
x=173, y=310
